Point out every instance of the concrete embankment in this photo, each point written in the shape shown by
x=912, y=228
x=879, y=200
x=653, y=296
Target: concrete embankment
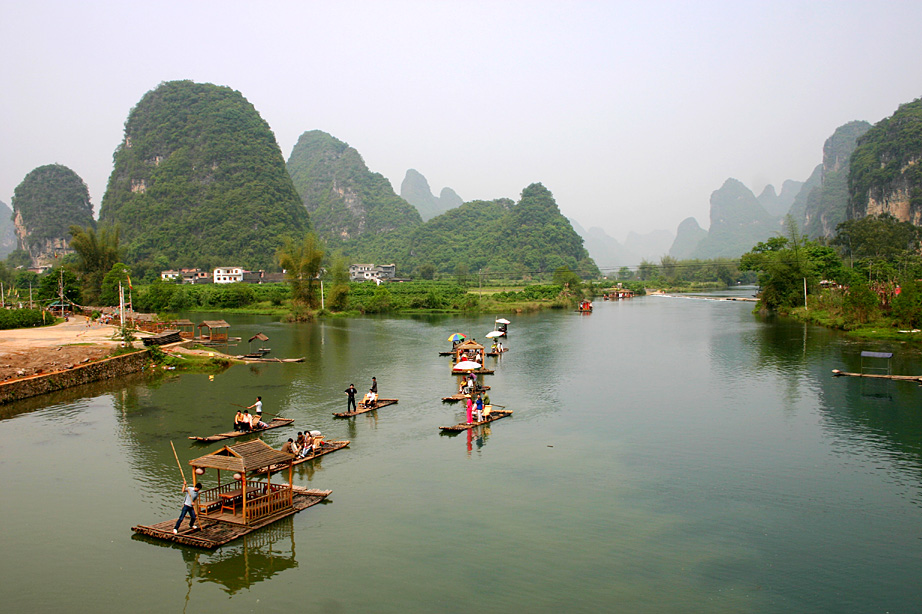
x=49, y=382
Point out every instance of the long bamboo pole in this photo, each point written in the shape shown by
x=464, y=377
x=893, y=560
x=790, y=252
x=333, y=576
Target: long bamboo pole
x=183, y=473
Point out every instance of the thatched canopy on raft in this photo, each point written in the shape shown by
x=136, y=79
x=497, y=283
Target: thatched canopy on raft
x=243, y=457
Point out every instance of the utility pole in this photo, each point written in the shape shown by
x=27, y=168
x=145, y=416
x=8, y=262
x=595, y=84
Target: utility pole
x=61, y=291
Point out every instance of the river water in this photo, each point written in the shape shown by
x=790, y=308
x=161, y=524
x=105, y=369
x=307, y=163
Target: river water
x=665, y=455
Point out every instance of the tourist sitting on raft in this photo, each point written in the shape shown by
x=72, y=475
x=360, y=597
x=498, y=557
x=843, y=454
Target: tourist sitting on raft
x=256, y=423
x=289, y=447
x=370, y=399
x=241, y=422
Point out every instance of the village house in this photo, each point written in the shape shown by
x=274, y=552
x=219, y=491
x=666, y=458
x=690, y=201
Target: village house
x=365, y=272
x=228, y=275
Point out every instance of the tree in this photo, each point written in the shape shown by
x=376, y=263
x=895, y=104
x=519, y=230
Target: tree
x=339, y=275
x=462, y=273
x=624, y=273
x=880, y=237
x=18, y=258
x=109, y=289
x=784, y=265
x=302, y=262
x=425, y=271
x=49, y=287
x=564, y=277
x=96, y=255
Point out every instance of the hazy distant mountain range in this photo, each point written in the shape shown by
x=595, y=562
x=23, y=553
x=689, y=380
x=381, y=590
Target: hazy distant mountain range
x=199, y=180
x=415, y=190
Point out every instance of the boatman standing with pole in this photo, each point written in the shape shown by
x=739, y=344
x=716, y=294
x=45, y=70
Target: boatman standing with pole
x=351, y=403
x=259, y=407
x=188, y=506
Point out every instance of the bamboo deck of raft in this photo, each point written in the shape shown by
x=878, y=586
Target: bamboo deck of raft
x=496, y=414
x=904, y=378
x=362, y=408
x=212, y=534
x=325, y=448
x=480, y=371
x=276, y=423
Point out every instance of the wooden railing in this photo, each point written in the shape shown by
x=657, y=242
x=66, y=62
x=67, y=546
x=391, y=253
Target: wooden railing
x=277, y=499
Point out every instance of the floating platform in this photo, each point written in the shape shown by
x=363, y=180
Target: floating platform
x=325, y=448
x=276, y=423
x=362, y=408
x=495, y=415
x=212, y=533
x=902, y=378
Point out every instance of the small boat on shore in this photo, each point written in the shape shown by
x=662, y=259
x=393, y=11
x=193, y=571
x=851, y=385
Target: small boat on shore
x=494, y=415
x=252, y=358
x=276, y=423
x=362, y=408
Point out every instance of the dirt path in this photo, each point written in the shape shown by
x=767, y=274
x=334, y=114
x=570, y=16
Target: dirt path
x=29, y=351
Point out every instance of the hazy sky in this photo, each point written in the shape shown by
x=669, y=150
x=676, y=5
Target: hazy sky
x=631, y=113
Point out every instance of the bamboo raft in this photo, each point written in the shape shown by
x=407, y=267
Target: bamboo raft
x=362, y=408
x=496, y=414
x=276, y=423
x=903, y=378
x=212, y=534
x=325, y=448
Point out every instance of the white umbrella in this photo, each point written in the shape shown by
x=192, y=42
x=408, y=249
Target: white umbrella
x=466, y=365
x=494, y=333
x=503, y=321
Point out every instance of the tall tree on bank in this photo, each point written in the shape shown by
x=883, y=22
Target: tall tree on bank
x=96, y=254
x=302, y=261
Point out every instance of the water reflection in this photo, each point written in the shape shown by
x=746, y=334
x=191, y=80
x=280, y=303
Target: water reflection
x=252, y=559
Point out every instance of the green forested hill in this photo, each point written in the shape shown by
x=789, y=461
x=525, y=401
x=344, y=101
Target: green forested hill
x=522, y=239
x=199, y=180
x=344, y=198
x=8, y=241
x=45, y=204
x=886, y=167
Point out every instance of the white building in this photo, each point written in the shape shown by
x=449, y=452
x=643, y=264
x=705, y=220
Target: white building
x=227, y=275
x=365, y=272
x=169, y=275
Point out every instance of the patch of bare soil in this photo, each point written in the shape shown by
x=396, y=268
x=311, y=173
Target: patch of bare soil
x=33, y=351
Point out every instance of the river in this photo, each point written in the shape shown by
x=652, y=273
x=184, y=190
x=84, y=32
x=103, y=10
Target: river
x=665, y=455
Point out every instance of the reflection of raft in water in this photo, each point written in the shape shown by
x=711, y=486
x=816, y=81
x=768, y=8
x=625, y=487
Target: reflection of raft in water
x=494, y=415
x=276, y=422
x=362, y=408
